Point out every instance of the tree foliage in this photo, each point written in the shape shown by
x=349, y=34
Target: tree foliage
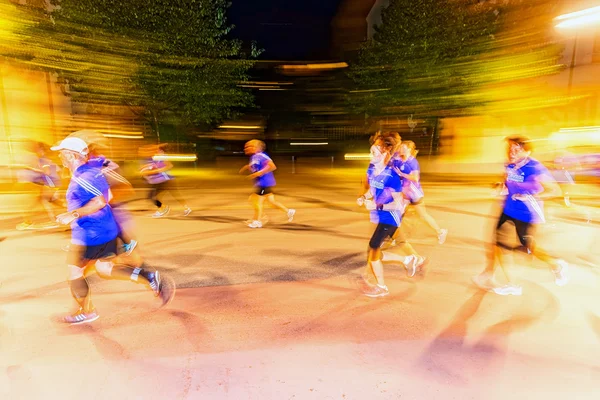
x=173, y=59
x=432, y=56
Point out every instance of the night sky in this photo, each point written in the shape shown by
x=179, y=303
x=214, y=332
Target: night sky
x=285, y=29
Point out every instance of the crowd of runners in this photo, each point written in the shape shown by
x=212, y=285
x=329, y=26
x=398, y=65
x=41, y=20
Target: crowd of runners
x=103, y=236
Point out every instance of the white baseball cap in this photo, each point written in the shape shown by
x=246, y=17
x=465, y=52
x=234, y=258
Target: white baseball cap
x=72, y=144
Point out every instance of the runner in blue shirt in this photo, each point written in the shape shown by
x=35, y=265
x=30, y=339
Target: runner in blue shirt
x=386, y=205
x=155, y=172
x=410, y=171
x=261, y=167
x=398, y=238
x=527, y=181
x=94, y=233
x=42, y=172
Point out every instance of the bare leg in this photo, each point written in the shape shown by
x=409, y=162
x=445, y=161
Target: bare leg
x=422, y=211
x=276, y=204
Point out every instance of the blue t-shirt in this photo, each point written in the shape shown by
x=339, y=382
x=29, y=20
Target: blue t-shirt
x=100, y=227
x=259, y=161
x=525, y=181
x=411, y=189
x=50, y=180
x=155, y=179
x=382, y=188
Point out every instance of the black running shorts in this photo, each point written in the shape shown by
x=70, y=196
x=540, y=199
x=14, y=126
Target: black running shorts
x=261, y=191
x=81, y=255
x=382, y=232
x=525, y=230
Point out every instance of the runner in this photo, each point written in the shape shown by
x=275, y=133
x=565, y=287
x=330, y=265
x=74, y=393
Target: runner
x=120, y=188
x=155, y=173
x=44, y=174
x=527, y=181
x=94, y=234
x=398, y=238
x=261, y=167
x=408, y=168
x=386, y=205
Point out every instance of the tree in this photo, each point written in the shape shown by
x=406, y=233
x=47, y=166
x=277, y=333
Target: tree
x=432, y=57
x=170, y=59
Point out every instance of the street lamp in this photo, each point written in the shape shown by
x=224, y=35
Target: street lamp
x=576, y=20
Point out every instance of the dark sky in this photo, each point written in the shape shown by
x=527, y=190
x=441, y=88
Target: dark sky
x=285, y=29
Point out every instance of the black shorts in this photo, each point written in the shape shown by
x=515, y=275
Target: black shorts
x=261, y=191
x=525, y=231
x=382, y=232
x=81, y=255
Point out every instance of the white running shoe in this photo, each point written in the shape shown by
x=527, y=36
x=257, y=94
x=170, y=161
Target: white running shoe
x=377, y=291
x=562, y=275
x=255, y=224
x=442, y=236
x=187, y=211
x=410, y=263
x=508, y=290
x=160, y=214
x=291, y=212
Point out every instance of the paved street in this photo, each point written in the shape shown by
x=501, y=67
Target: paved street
x=275, y=313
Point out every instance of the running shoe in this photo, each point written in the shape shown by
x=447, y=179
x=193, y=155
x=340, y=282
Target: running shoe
x=81, y=317
x=562, y=275
x=377, y=291
x=161, y=212
x=129, y=247
x=410, y=263
x=507, y=290
x=290, y=214
x=255, y=224
x=442, y=236
x=187, y=211
x=155, y=283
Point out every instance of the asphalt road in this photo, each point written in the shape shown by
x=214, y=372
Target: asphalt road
x=275, y=313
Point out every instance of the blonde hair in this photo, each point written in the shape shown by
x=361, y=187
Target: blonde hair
x=411, y=146
x=256, y=143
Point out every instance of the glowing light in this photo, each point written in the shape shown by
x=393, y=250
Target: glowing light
x=175, y=157
x=267, y=83
x=581, y=18
x=108, y=135
x=309, y=144
x=239, y=126
x=118, y=132
x=369, y=90
x=261, y=87
x=316, y=66
x=357, y=156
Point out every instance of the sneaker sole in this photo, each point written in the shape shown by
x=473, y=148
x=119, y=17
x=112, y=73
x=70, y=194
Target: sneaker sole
x=376, y=295
x=85, y=321
x=506, y=294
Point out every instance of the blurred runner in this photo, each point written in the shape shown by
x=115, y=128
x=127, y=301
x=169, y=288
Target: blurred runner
x=44, y=174
x=527, y=181
x=155, y=173
x=408, y=168
x=386, y=205
x=261, y=167
x=398, y=238
x=94, y=234
x=120, y=188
